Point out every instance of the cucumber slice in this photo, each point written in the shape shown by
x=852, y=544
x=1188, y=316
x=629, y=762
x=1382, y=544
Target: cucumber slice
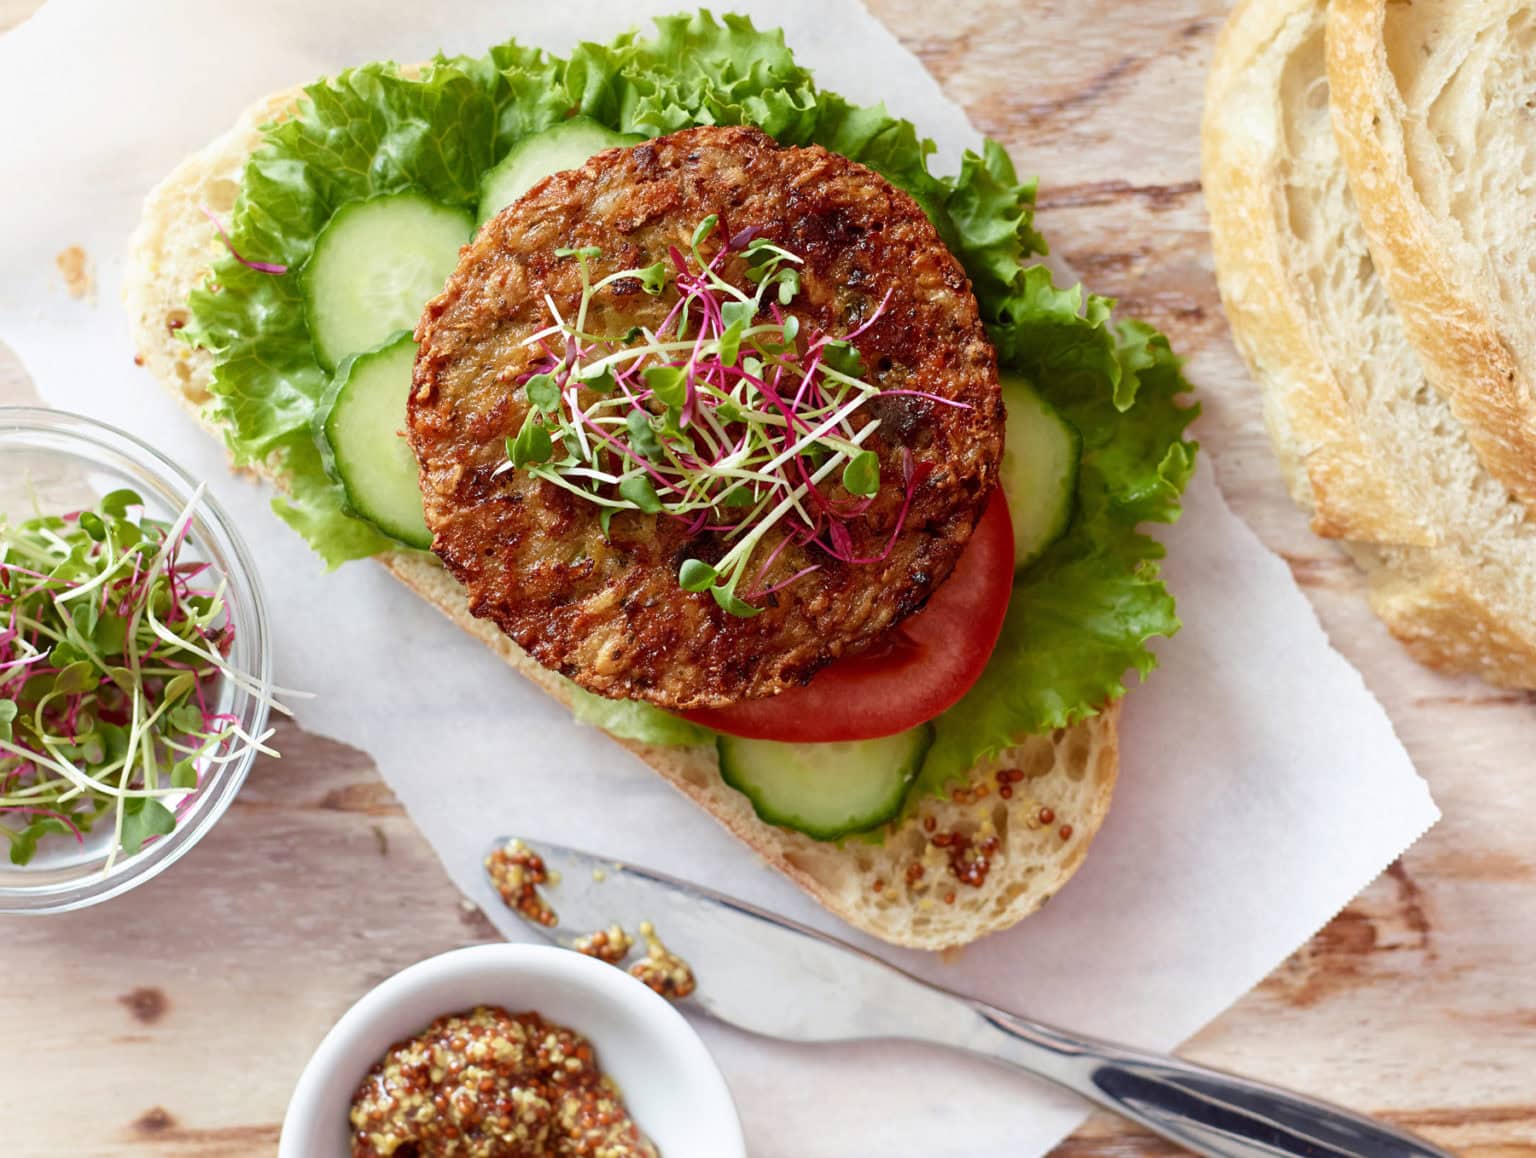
x=1039, y=474
x=374, y=266
x=358, y=430
x=563, y=146
x=826, y=791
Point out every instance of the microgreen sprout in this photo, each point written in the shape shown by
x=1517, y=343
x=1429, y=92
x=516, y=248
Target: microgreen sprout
x=725, y=416
x=112, y=647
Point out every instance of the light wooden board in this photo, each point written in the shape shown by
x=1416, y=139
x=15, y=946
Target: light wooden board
x=178, y=1018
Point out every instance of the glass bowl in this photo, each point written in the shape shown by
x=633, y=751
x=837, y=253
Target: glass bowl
x=55, y=461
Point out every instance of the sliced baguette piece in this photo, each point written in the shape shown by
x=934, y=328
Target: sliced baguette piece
x=1431, y=107
x=899, y=891
x=1378, y=456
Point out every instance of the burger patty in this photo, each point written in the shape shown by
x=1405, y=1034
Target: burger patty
x=607, y=612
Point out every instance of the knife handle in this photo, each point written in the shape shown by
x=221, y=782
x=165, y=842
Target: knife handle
x=1204, y=1110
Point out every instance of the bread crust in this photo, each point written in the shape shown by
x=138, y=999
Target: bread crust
x=1065, y=779
x=1328, y=466
x=1451, y=610
x=1450, y=319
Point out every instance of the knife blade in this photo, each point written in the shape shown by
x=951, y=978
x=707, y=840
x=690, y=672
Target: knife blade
x=736, y=951
x=741, y=956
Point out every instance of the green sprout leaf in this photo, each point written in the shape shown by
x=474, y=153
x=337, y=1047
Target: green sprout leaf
x=600, y=380
x=653, y=279
x=585, y=251
x=544, y=393
x=639, y=490
x=668, y=383
x=8, y=712
x=704, y=229
x=91, y=524
x=789, y=331
x=24, y=843
x=696, y=575
x=116, y=503
x=789, y=285
x=605, y=520
x=151, y=818
x=642, y=437
x=186, y=719
x=532, y=444
x=730, y=343
x=114, y=743
x=180, y=687
x=733, y=312
x=728, y=599
x=126, y=534
x=184, y=774
x=862, y=474
x=110, y=635
x=77, y=677
x=841, y=357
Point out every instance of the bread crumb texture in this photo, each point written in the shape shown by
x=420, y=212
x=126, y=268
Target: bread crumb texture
x=1398, y=450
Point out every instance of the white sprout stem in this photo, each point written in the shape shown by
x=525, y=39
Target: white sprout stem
x=559, y=479
x=586, y=293
x=82, y=780
x=248, y=684
x=745, y=548
x=572, y=399
x=815, y=434
x=114, y=563
x=635, y=353
x=121, y=815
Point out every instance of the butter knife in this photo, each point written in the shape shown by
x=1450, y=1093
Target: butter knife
x=737, y=952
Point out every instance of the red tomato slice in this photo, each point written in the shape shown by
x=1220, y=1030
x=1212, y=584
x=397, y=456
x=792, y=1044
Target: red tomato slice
x=923, y=667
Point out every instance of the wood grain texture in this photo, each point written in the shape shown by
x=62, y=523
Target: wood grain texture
x=196, y=1000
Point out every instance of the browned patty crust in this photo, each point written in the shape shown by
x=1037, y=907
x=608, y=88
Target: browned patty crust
x=609, y=614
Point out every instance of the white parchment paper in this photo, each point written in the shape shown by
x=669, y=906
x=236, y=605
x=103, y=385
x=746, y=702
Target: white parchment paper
x=1262, y=785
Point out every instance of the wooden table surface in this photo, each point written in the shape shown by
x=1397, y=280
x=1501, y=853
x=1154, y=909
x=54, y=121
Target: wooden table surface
x=178, y=1018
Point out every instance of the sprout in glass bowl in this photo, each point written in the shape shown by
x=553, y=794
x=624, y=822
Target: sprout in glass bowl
x=134, y=667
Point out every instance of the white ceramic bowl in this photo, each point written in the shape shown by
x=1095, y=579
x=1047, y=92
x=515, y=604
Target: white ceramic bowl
x=671, y=1085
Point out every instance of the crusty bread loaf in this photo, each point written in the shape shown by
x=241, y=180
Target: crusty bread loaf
x=1382, y=459
x=902, y=890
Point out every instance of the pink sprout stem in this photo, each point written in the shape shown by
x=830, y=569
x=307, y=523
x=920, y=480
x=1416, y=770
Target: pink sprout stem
x=259, y=266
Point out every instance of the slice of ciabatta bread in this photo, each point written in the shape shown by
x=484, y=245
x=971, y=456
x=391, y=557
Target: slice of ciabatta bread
x=1377, y=454
x=1432, y=110
x=902, y=891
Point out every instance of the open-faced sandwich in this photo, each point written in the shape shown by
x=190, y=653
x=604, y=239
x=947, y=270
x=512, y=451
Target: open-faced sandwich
x=685, y=385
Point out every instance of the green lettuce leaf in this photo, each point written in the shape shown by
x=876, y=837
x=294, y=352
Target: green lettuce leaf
x=366, y=132
x=632, y=720
x=1080, y=617
x=695, y=71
